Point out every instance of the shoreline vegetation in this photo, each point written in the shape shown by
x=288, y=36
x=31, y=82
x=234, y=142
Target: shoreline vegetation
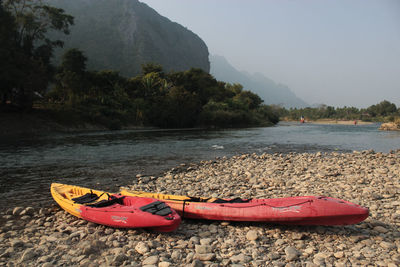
x=49, y=236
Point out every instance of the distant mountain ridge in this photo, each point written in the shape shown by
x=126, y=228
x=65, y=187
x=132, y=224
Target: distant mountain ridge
x=267, y=89
x=123, y=34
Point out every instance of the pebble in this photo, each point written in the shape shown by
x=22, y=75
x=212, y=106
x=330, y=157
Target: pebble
x=164, y=264
x=17, y=211
x=240, y=258
x=16, y=243
x=142, y=248
x=273, y=256
x=150, y=260
x=202, y=249
x=387, y=245
x=380, y=229
x=205, y=257
x=48, y=236
x=291, y=253
x=28, y=255
x=252, y=235
x=197, y=263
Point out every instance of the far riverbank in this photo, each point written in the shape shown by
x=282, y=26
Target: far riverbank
x=339, y=122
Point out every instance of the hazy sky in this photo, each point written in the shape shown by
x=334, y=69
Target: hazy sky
x=343, y=52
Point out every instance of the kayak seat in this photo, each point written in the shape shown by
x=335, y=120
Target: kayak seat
x=105, y=203
x=157, y=208
x=197, y=199
x=217, y=200
x=234, y=200
x=87, y=198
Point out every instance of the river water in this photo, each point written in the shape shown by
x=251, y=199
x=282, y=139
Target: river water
x=109, y=159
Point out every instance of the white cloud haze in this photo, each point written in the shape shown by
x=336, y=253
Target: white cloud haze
x=333, y=52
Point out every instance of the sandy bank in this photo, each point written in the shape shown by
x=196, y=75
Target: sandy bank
x=50, y=237
x=340, y=122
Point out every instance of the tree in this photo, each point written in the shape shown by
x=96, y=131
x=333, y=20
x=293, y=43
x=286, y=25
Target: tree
x=247, y=100
x=74, y=60
x=151, y=67
x=182, y=108
x=384, y=108
x=197, y=81
x=8, y=72
x=31, y=48
x=71, y=78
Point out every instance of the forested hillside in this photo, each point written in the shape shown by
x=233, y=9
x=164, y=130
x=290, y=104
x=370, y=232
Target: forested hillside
x=123, y=34
x=182, y=99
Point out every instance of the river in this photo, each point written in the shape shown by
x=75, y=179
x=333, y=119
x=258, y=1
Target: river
x=109, y=159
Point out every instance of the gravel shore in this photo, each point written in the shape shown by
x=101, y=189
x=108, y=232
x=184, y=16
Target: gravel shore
x=51, y=237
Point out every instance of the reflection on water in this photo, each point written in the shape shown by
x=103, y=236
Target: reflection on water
x=106, y=160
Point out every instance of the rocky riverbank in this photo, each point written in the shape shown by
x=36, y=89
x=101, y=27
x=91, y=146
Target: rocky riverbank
x=51, y=237
x=390, y=126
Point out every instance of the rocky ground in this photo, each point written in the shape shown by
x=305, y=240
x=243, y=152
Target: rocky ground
x=51, y=237
x=390, y=126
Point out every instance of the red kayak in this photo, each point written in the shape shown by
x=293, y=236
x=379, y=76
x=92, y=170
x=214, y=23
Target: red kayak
x=305, y=210
x=115, y=210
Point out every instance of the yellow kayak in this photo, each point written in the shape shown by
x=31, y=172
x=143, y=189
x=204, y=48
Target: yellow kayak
x=63, y=195
x=115, y=210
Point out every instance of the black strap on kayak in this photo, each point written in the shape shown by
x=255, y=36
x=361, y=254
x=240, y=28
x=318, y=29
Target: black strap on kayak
x=87, y=198
x=183, y=208
x=105, y=203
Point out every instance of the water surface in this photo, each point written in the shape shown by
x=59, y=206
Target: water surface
x=109, y=159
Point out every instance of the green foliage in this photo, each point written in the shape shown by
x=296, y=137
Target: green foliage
x=384, y=108
x=151, y=67
x=383, y=111
x=201, y=83
x=26, y=23
x=74, y=60
x=246, y=100
x=71, y=78
x=178, y=109
x=154, y=98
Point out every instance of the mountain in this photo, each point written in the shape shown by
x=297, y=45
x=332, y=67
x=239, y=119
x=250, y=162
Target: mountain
x=123, y=34
x=268, y=90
